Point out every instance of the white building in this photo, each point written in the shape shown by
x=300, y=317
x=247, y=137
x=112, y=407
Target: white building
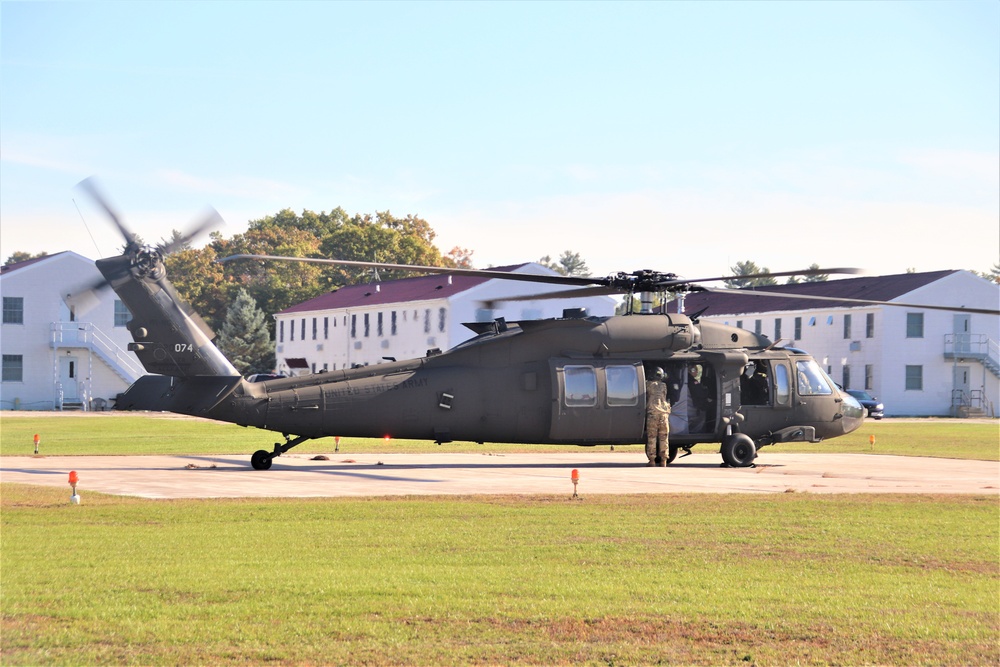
x=919, y=362
x=361, y=325
x=60, y=354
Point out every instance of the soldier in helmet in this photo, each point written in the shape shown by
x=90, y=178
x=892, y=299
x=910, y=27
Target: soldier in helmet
x=657, y=419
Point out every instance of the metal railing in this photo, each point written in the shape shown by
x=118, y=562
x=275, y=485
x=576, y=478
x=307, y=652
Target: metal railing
x=85, y=334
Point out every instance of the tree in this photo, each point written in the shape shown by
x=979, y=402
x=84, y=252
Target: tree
x=569, y=264
x=817, y=278
x=459, y=258
x=993, y=275
x=749, y=268
x=245, y=338
x=21, y=256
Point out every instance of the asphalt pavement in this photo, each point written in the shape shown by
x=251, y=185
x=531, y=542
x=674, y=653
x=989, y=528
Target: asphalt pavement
x=603, y=472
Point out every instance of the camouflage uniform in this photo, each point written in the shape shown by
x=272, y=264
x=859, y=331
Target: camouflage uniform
x=657, y=421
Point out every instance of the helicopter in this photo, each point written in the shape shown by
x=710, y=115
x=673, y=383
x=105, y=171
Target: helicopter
x=572, y=380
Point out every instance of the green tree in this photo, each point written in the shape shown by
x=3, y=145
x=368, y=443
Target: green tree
x=569, y=264
x=817, y=278
x=20, y=256
x=743, y=270
x=245, y=337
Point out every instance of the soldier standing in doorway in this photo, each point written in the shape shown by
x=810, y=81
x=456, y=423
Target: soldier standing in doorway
x=657, y=419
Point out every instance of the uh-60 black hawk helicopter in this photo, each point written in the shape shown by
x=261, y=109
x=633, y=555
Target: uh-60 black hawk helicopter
x=572, y=380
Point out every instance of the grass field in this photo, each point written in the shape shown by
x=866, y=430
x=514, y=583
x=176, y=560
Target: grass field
x=609, y=580
x=157, y=433
x=727, y=579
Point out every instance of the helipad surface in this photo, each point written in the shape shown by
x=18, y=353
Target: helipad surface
x=469, y=474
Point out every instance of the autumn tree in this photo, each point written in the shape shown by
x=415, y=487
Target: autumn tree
x=20, y=256
x=569, y=264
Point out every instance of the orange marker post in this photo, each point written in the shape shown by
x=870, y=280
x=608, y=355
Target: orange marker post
x=73, y=480
x=575, y=477
x=37, y=440
x=871, y=440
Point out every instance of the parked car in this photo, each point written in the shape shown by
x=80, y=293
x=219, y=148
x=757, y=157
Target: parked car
x=870, y=403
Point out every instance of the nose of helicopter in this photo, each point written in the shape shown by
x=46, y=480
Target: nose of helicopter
x=853, y=413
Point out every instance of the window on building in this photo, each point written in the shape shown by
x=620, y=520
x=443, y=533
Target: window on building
x=368, y=324
x=442, y=317
x=846, y=378
x=281, y=331
x=427, y=320
x=378, y=325
x=13, y=310
x=314, y=328
x=869, y=377
x=757, y=326
x=914, y=378
x=122, y=316
x=13, y=367
x=870, y=325
x=354, y=326
x=914, y=325
x=777, y=329
x=303, y=328
x=291, y=330
x=739, y=324
x=847, y=326
x=326, y=328
x=798, y=328
x=392, y=323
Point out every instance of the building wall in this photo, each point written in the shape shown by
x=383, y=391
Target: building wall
x=886, y=350
x=43, y=285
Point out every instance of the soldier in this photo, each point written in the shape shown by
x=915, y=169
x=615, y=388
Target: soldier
x=657, y=419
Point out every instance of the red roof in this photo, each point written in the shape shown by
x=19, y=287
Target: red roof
x=28, y=262
x=876, y=288
x=422, y=288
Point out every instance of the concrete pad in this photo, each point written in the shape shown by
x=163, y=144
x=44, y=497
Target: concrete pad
x=470, y=474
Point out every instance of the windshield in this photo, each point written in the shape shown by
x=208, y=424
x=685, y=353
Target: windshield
x=811, y=379
x=862, y=395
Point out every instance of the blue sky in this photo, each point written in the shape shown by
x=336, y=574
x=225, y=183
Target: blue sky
x=677, y=136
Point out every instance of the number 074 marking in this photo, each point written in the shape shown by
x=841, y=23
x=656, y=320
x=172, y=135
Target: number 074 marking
x=183, y=347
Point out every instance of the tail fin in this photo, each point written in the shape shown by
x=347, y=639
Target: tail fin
x=170, y=338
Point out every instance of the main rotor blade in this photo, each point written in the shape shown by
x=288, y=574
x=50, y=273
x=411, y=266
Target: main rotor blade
x=598, y=290
x=870, y=302
x=480, y=273
x=751, y=276
x=89, y=185
x=211, y=221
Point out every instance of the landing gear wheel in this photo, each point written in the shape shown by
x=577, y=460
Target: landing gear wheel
x=738, y=450
x=671, y=454
x=261, y=460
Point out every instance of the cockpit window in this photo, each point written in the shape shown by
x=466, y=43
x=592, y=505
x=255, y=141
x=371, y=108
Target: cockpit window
x=811, y=379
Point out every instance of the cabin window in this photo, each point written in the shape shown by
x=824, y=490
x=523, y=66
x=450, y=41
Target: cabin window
x=755, y=384
x=623, y=385
x=811, y=379
x=581, y=386
x=13, y=367
x=782, y=388
x=914, y=325
x=122, y=316
x=13, y=309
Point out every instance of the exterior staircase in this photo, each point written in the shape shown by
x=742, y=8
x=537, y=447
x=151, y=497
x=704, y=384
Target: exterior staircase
x=86, y=336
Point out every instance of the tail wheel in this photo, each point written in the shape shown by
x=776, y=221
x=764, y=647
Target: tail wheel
x=739, y=450
x=261, y=460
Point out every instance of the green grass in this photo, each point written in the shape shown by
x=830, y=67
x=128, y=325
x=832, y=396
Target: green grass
x=738, y=579
x=103, y=434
